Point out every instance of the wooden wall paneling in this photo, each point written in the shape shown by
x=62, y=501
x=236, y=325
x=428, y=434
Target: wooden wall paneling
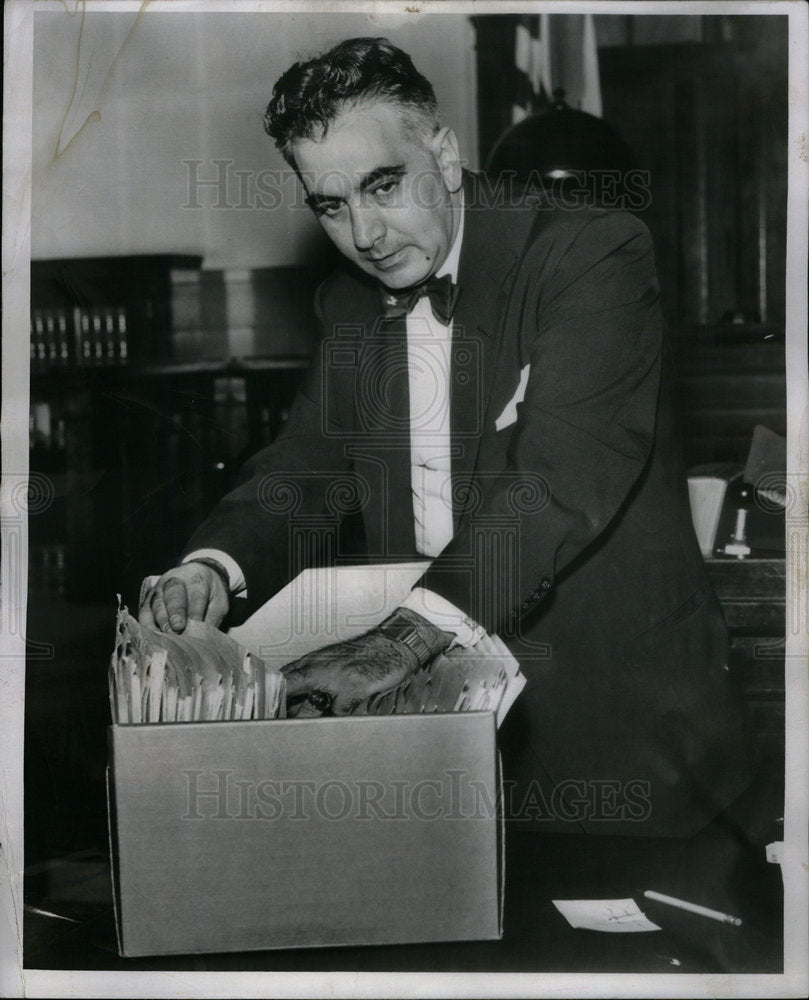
x=773, y=123
x=691, y=201
x=709, y=120
x=751, y=205
x=724, y=243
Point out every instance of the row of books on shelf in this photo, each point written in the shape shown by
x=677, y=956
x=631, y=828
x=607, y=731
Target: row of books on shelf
x=61, y=338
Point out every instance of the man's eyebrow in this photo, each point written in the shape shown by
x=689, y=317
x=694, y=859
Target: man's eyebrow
x=379, y=173
x=397, y=170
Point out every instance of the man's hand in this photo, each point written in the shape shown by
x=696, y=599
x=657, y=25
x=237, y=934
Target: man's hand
x=190, y=591
x=342, y=676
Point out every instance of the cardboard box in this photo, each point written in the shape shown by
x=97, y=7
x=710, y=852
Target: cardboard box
x=293, y=833
x=235, y=836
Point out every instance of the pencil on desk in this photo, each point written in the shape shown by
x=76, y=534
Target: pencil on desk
x=704, y=911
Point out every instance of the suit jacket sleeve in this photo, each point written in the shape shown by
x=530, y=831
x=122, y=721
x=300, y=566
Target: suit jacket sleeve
x=301, y=475
x=587, y=298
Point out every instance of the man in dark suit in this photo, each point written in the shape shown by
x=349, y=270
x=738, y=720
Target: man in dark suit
x=494, y=388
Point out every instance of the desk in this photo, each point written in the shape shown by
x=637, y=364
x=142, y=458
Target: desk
x=714, y=868
x=66, y=718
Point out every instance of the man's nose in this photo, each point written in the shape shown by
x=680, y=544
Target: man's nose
x=366, y=227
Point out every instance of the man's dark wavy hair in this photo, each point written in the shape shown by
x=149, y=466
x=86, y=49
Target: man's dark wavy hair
x=310, y=95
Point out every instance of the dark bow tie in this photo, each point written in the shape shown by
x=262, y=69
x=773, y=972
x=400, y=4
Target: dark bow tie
x=442, y=294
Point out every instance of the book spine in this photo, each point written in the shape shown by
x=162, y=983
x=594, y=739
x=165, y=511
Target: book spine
x=39, y=339
x=81, y=328
x=109, y=337
x=51, y=346
x=98, y=337
x=123, y=348
x=62, y=338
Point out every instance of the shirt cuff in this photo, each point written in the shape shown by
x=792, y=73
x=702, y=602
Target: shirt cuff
x=444, y=615
x=238, y=587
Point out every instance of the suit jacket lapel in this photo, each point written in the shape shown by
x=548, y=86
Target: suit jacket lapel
x=487, y=257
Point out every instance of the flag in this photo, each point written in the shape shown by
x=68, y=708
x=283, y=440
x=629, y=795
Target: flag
x=553, y=51
x=529, y=59
x=574, y=60
x=591, y=81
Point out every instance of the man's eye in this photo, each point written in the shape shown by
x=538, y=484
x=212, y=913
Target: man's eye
x=327, y=208
x=386, y=188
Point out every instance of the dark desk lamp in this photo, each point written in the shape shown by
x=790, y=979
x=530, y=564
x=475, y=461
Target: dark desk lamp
x=564, y=150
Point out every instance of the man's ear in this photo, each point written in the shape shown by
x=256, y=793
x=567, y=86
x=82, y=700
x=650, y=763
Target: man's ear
x=444, y=145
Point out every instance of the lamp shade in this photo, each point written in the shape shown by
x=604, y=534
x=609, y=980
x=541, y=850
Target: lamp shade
x=559, y=143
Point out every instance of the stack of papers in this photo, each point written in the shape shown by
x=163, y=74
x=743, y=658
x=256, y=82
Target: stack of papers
x=206, y=674
x=484, y=678
x=201, y=675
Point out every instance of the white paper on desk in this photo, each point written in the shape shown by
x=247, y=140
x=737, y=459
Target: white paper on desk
x=620, y=916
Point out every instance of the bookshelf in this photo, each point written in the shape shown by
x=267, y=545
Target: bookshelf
x=103, y=311
x=141, y=413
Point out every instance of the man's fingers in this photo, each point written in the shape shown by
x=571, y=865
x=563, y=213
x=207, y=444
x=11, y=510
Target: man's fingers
x=310, y=690
x=153, y=613
x=175, y=599
x=158, y=608
x=189, y=592
x=345, y=704
x=145, y=616
x=308, y=709
x=199, y=596
x=299, y=680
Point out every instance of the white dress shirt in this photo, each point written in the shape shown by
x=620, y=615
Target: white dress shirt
x=429, y=346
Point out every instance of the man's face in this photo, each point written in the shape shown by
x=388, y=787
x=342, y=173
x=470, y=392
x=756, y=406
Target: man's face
x=386, y=198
